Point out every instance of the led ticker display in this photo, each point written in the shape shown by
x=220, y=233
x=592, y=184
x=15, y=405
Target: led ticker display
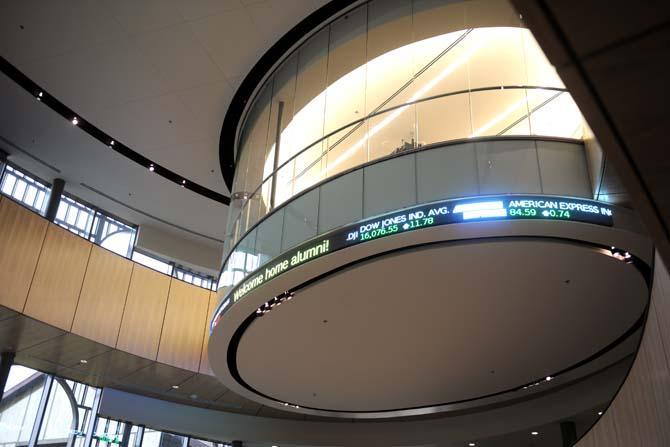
x=425, y=216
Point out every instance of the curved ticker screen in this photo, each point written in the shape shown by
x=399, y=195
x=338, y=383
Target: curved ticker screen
x=424, y=216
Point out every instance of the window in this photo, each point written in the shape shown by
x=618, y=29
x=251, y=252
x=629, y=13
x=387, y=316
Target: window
x=152, y=263
x=113, y=235
x=108, y=433
x=197, y=279
x=95, y=225
x=75, y=216
x=23, y=188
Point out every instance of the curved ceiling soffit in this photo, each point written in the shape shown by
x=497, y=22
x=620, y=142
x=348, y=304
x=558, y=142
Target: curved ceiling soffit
x=256, y=75
x=54, y=104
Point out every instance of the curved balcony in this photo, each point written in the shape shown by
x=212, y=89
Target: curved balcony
x=481, y=166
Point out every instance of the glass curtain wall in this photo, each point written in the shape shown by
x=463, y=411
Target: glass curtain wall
x=388, y=77
x=66, y=417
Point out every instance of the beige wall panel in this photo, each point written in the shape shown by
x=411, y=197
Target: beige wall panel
x=21, y=236
x=58, y=279
x=181, y=340
x=144, y=312
x=204, y=359
x=639, y=413
x=103, y=297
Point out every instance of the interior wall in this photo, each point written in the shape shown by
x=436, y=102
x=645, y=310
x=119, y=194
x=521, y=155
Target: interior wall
x=205, y=258
x=638, y=415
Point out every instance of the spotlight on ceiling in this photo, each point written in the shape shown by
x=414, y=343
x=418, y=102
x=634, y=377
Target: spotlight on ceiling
x=111, y=143
x=534, y=433
x=39, y=96
x=151, y=167
x=175, y=387
x=472, y=444
x=83, y=362
x=548, y=378
x=75, y=121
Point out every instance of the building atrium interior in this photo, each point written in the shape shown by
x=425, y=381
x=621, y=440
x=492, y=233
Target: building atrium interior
x=308, y=223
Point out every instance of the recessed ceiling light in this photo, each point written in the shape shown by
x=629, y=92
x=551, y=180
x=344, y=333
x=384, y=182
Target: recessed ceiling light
x=600, y=413
x=534, y=433
x=175, y=387
x=83, y=361
x=151, y=168
x=472, y=444
x=111, y=143
x=75, y=121
x=548, y=379
x=183, y=182
x=39, y=96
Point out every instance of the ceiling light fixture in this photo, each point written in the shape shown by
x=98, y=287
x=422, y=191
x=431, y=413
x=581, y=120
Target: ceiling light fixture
x=472, y=444
x=600, y=413
x=175, y=387
x=151, y=167
x=39, y=96
x=534, y=433
x=75, y=121
x=83, y=361
x=111, y=143
x=548, y=379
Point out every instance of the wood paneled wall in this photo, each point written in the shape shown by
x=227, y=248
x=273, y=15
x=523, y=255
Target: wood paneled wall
x=21, y=235
x=204, y=358
x=639, y=414
x=145, y=310
x=59, y=278
x=182, y=335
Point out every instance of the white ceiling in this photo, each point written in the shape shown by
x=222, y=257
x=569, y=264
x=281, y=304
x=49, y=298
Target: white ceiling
x=129, y=68
x=356, y=341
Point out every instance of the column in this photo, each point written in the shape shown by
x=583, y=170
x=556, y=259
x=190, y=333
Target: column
x=6, y=362
x=3, y=162
x=54, y=199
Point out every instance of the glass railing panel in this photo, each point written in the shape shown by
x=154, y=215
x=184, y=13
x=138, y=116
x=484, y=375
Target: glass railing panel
x=310, y=167
x=246, y=246
x=347, y=149
x=392, y=132
x=265, y=199
x=443, y=119
x=509, y=166
x=499, y=112
x=563, y=169
x=554, y=114
x=300, y=219
x=341, y=201
x=446, y=172
x=268, y=237
x=253, y=208
x=389, y=185
x=283, y=189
